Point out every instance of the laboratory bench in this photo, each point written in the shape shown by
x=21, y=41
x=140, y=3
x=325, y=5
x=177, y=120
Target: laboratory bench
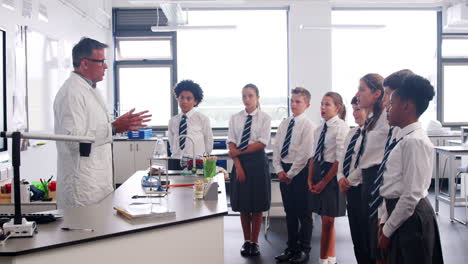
x=195, y=234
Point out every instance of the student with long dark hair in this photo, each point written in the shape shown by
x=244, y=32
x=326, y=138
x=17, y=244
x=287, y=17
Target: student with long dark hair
x=326, y=199
x=369, y=157
x=408, y=225
x=248, y=135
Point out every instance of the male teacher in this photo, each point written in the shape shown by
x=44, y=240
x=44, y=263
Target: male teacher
x=84, y=176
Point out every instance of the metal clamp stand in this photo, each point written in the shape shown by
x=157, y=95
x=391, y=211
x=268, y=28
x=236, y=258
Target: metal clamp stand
x=19, y=226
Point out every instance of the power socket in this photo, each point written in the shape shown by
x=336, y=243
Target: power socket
x=25, y=229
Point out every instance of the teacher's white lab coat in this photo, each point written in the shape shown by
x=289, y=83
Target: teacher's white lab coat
x=79, y=110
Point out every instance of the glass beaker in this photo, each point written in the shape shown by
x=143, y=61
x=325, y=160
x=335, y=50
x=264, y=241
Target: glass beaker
x=160, y=149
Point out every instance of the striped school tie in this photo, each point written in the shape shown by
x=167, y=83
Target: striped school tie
x=287, y=140
x=246, y=134
x=182, y=131
x=349, y=153
x=318, y=157
x=363, y=143
x=389, y=137
x=375, y=198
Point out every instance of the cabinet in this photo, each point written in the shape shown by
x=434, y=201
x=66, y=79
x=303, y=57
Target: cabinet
x=130, y=156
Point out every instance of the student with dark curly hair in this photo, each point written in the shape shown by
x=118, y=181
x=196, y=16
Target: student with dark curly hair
x=190, y=123
x=408, y=226
x=390, y=84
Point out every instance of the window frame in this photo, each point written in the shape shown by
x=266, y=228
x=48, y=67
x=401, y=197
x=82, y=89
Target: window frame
x=4, y=84
x=120, y=58
x=172, y=63
x=442, y=62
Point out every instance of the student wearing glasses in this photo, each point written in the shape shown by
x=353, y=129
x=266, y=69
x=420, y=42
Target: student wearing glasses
x=84, y=171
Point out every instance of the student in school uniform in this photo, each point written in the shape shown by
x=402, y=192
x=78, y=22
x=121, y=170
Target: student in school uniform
x=326, y=199
x=293, y=149
x=189, y=123
x=409, y=226
x=370, y=155
x=391, y=83
x=248, y=135
x=350, y=181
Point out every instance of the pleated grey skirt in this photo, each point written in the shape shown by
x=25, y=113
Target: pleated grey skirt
x=330, y=202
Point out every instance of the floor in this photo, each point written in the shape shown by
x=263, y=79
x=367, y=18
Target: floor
x=454, y=239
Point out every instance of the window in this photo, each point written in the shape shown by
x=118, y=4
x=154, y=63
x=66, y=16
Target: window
x=454, y=78
x=144, y=48
x=145, y=70
x=223, y=61
x=455, y=82
x=146, y=87
x=3, y=141
x=455, y=47
x=409, y=42
x=42, y=80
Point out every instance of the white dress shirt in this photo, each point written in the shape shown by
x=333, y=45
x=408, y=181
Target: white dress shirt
x=355, y=175
x=260, y=129
x=198, y=128
x=300, y=148
x=407, y=175
x=374, y=145
x=334, y=138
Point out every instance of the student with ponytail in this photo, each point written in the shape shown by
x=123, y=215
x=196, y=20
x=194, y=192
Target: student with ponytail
x=369, y=157
x=326, y=199
x=248, y=135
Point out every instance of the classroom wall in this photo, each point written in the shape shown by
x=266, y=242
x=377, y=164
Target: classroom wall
x=310, y=51
x=67, y=26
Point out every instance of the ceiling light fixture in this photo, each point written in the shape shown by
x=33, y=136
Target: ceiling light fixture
x=187, y=27
x=177, y=19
